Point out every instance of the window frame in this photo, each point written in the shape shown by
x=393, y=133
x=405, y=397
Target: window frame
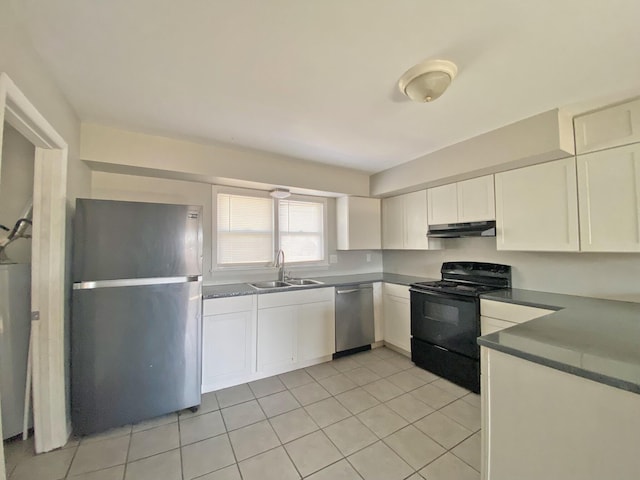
x=218, y=189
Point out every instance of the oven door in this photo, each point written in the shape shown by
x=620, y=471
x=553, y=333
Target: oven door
x=445, y=320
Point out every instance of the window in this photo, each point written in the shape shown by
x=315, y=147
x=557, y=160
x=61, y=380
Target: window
x=245, y=229
x=251, y=227
x=302, y=230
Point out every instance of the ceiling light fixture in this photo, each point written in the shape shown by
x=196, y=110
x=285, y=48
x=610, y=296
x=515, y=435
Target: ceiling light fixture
x=428, y=80
x=280, y=193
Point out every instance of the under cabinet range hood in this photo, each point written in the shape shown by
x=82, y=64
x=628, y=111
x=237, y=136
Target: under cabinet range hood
x=457, y=230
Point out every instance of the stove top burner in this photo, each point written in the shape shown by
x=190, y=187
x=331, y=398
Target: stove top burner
x=468, y=278
x=455, y=287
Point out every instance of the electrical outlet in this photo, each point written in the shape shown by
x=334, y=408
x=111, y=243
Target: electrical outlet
x=368, y=257
x=333, y=258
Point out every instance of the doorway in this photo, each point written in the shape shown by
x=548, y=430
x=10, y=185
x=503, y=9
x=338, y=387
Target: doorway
x=16, y=194
x=50, y=418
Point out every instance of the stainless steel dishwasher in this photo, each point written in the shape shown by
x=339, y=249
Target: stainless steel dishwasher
x=354, y=318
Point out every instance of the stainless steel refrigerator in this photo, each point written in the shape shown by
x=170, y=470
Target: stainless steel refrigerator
x=136, y=313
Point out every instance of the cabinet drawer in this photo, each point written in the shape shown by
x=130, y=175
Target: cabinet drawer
x=401, y=291
x=510, y=311
x=219, y=306
x=296, y=297
x=489, y=325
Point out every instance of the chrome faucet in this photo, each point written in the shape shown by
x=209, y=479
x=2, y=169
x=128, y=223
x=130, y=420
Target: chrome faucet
x=279, y=264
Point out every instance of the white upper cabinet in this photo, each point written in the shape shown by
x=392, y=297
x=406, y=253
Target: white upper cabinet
x=611, y=127
x=404, y=222
x=609, y=193
x=393, y=223
x=537, y=208
x=443, y=204
x=467, y=201
x=476, y=199
x=415, y=221
x=358, y=223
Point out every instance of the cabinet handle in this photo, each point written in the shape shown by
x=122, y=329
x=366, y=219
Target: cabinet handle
x=340, y=292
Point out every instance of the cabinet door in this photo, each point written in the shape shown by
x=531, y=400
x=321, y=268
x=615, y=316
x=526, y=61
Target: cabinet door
x=277, y=337
x=393, y=223
x=537, y=208
x=316, y=330
x=476, y=199
x=358, y=223
x=610, y=127
x=415, y=214
x=226, y=347
x=397, y=322
x=609, y=194
x=378, y=312
x=443, y=204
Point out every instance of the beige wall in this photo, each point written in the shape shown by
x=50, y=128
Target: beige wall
x=603, y=275
x=113, y=186
x=24, y=66
x=121, y=151
x=19, y=60
x=16, y=188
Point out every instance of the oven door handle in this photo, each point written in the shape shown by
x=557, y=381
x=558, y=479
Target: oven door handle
x=458, y=298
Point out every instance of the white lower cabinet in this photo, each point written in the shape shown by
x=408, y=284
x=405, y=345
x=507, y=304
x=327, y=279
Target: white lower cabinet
x=539, y=422
x=496, y=316
x=378, y=312
x=277, y=339
x=228, y=341
x=295, y=329
x=397, y=316
x=316, y=330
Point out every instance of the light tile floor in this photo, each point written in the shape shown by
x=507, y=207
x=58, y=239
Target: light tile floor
x=373, y=415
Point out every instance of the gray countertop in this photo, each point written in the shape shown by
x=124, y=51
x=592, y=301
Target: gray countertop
x=236, y=289
x=593, y=338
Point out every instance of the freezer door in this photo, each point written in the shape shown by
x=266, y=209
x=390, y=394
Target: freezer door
x=117, y=240
x=135, y=353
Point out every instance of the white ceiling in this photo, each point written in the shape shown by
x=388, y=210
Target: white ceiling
x=317, y=79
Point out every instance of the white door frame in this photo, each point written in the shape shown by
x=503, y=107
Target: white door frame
x=50, y=421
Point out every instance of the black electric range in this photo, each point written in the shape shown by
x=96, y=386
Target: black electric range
x=445, y=319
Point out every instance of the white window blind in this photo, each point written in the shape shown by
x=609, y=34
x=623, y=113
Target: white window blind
x=301, y=225
x=245, y=229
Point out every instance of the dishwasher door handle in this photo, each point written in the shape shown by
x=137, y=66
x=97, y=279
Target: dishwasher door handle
x=353, y=290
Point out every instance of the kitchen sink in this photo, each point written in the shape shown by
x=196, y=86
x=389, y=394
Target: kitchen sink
x=292, y=282
x=301, y=282
x=269, y=284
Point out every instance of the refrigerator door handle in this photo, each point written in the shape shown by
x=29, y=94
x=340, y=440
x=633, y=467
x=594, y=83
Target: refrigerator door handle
x=135, y=282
